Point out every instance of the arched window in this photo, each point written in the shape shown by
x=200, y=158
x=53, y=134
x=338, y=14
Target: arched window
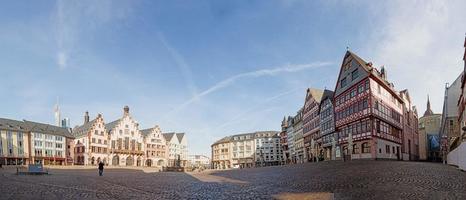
x=355, y=149
x=366, y=148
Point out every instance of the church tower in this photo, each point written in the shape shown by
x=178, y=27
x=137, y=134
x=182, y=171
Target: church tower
x=428, y=110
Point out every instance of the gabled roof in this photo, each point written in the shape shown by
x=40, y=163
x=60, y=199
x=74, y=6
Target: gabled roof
x=112, y=125
x=146, y=132
x=316, y=94
x=168, y=136
x=83, y=129
x=374, y=72
x=48, y=129
x=328, y=94
x=180, y=136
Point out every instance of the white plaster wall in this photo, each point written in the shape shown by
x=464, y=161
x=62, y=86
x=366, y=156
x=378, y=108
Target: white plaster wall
x=458, y=156
x=381, y=144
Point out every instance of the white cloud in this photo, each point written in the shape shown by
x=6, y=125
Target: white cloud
x=420, y=43
x=181, y=63
x=72, y=19
x=254, y=74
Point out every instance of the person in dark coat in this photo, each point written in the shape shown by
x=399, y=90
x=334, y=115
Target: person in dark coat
x=101, y=168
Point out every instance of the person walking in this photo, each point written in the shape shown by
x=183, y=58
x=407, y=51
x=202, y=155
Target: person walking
x=101, y=168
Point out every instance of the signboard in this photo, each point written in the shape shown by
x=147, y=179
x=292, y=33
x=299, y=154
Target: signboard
x=35, y=168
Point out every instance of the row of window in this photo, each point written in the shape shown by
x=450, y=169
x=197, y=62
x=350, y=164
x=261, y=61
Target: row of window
x=365, y=148
x=48, y=153
x=99, y=141
x=356, y=128
x=328, y=112
x=98, y=149
x=352, y=109
x=387, y=112
x=47, y=137
x=383, y=127
x=361, y=88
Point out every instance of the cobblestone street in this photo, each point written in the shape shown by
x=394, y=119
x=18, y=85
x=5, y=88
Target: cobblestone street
x=325, y=180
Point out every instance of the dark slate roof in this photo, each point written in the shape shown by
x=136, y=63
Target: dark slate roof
x=48, y=129
x=253, y=134
x=112, y=125
x=12, y=125
x=83, y=129
x=168, y=136
x=26, y=126
x=146, y=132
x=223, y=140
x=180, y=136
x=328, y=94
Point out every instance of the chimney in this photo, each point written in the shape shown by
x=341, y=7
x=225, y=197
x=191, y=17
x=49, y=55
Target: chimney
x=126, y=110
x=383, y=73
x=86, y=117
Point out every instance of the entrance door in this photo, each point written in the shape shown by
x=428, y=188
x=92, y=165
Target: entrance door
x=116, y=161
x=409, y=150
x=129, y=161
x=398, y=153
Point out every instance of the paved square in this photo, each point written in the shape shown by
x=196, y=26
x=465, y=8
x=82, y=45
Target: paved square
x=324, y=180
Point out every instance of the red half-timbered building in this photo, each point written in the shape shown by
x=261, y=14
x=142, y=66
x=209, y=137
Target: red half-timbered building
x=368, y=108
x=311, y=123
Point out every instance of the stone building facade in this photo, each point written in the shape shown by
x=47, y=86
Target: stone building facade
x=247, y=150
x=429, y=135
x=91, y=142
x=284, y=142
x=410, y=135
x=156, y=147
x=28, y=142
x=126, y=142
x=290, y=139
x=298, y=136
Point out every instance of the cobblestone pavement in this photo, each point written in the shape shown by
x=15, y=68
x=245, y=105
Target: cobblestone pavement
x=324, y=180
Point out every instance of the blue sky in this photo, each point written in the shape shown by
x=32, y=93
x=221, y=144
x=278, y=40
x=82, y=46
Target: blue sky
x=214, y=68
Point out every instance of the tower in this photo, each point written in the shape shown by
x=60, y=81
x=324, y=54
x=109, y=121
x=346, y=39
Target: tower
x=57, y=114
x=428, y=110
